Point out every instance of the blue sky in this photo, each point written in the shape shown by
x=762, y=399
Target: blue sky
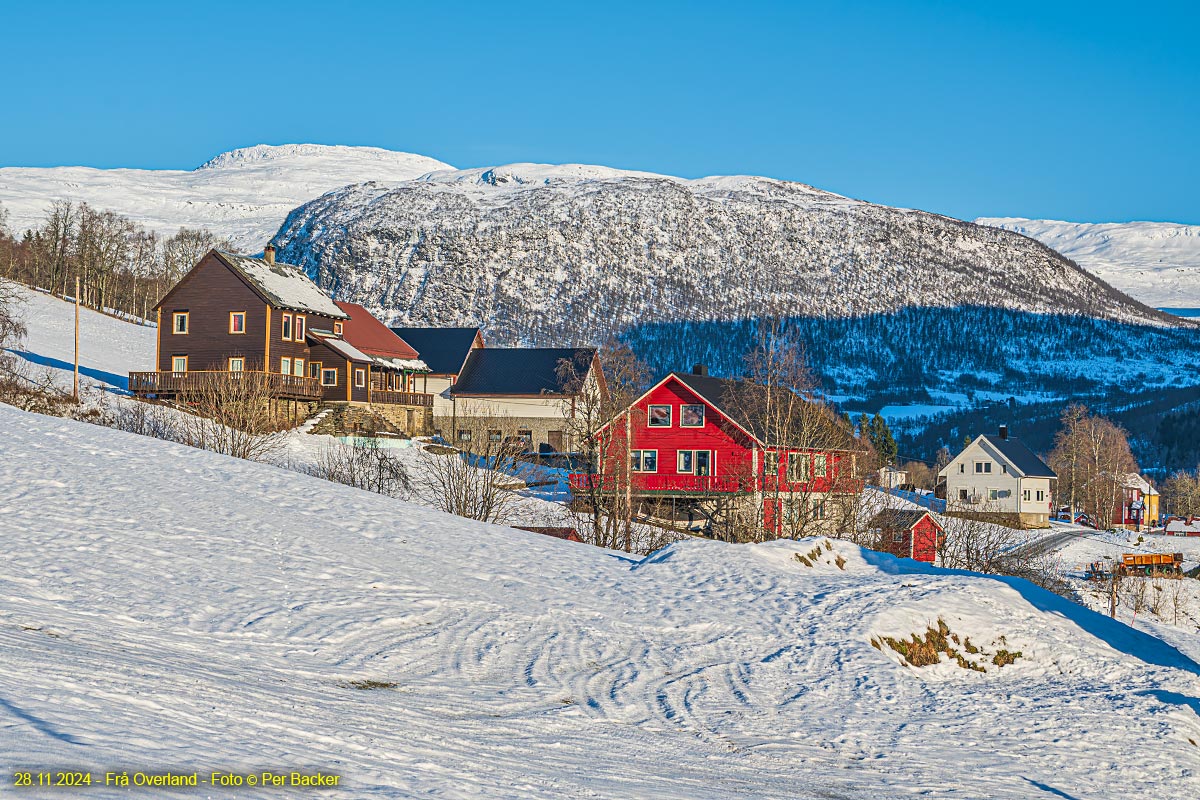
x=1079, y=111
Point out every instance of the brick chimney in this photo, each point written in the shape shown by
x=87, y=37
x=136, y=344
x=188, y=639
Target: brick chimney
x=700, y=369
x=1003, y=431
x=269, y=254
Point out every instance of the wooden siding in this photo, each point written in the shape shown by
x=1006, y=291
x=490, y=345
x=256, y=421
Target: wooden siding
x=208, y=294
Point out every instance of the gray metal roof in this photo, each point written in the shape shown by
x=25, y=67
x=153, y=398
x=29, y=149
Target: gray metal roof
x=1020, y=456
x=518, y=370
x=890, y=519
x=444, y=350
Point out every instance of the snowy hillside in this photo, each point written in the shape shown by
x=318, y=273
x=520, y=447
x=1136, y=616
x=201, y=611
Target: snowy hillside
x=109, y=348
x=1156, y=262
x=243, y=194
x=217, y=623
x=539, y=252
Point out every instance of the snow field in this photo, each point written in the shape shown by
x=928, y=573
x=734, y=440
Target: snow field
x=173, y=608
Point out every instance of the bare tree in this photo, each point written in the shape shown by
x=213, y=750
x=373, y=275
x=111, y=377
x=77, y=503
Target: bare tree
x=811, y=459
x=364, y=465
x=234, y=413
x=479, y=478
x=1181, y=493
x=600, y=419
x=1093, y=460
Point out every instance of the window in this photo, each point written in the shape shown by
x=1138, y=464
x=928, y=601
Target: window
x=179, y=322
x=962, y=494
x=337, y=329
x=328, y=377
x=1025, y=495
x=797, y=467
x=237, y=364
x=237, y=321
x=285, y=366
x=495, y=436
x=694, y=462
x=898, y=537
x=314, y=369
x=464, y=436
x=525, y=437
x=659, y=417
x=820, y=465
x=962, y=468
x=644, y=460
x=360, y=377
x=286, y=327
x=298, y=367
x=818, y=509
x=983, y=467
x=691, y=416
x=178, y=363
x=300, y=320
x=993, y=494
x=1004, y=468
x=1041, y=495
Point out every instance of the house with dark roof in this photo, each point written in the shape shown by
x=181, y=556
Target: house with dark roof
x=695, y=452
x=444, y=352
x=998, y=477
x=233, y=314
x=528, y=388
x=906, y=532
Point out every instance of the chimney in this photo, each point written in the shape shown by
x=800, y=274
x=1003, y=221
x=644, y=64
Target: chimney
x=1003, y=431
x=700, y=369
x=269, y=254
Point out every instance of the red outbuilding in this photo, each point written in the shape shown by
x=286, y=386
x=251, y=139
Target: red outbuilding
x=907, y=532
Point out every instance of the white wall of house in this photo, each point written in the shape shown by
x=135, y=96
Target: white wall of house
x=991, y=484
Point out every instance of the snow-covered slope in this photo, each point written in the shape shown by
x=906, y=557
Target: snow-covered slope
x=1156, y=262
x=543, y=253
x=109, y=348
x=243, y=194
x=163, y=608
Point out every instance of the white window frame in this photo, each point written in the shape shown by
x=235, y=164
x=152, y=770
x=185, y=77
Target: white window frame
x=819, y=465
x=298, y=367
x=337, y=329
x=233, y=314
x=1041, y=495
x=650, y=415
x=638, y=461
x=285, y=327
x=186, y=316
x=691, y=405
x=1025, y=495
x=175, y=359
x=325, y=372
x=805, y=470
x=285, y=365
x=360, y=378
x=963, y=494
x=299, y=326
x=712, y=462
x=983, y=468
x=240, y=361
x=314, y=369
x=993, y=494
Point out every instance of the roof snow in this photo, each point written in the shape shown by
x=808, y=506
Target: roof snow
x=285, y=285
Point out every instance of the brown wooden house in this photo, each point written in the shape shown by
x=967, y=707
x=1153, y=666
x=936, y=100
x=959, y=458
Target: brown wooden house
x=235, y=313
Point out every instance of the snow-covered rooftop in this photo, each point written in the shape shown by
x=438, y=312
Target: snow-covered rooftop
x=285, y=285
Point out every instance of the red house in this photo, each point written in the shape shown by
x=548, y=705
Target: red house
x=692, y=453
x=906, y=532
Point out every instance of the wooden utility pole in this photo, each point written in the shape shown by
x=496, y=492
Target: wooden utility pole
x=1112, y=593
x=75, y=389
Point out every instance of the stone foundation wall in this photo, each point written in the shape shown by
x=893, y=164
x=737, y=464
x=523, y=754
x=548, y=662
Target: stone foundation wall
x=539, y=428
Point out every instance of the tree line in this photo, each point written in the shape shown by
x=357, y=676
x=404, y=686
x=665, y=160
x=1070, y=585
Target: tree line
x=122, y=267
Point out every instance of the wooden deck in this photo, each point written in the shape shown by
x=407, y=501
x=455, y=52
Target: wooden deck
x=402, y=398
x=170, y=384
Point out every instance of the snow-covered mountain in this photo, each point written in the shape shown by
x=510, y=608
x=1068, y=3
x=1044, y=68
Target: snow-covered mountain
x=1156, y=262
x=537, y=251
x=243, y=194
x=215, y=623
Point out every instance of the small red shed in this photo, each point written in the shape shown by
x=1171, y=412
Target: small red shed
x=907, y=532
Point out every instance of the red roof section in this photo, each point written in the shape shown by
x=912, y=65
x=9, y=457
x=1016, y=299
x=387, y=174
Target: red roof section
x=371, y=336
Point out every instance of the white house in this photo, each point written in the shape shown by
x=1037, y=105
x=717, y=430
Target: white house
x=1000, y=476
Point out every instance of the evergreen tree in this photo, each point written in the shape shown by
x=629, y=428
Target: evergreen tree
x=880, y=436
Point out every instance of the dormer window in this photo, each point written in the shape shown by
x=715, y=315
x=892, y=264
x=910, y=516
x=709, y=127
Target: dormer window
x=337, y=328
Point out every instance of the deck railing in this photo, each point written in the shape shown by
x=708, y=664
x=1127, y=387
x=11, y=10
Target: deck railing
x=290, y=387
x=651, y=483
x=402, y=398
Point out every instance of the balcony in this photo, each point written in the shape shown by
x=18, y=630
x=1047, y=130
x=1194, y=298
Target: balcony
x=648, y=483
x=402, y=398
x=166, y=384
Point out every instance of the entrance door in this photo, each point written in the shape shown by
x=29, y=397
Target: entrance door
x=555, y=440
